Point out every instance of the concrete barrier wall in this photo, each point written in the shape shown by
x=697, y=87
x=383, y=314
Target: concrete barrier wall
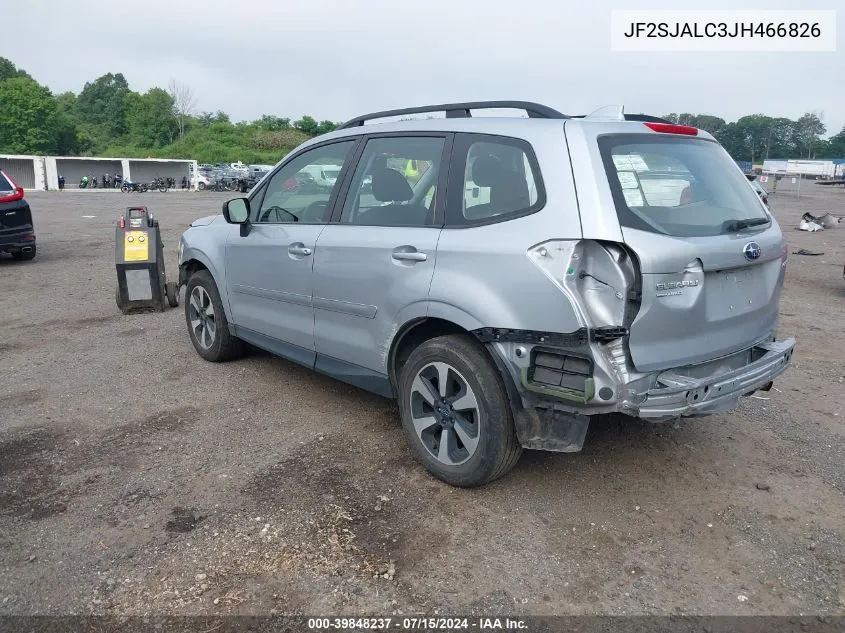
x=73, y=169
x=42, y=172
x=25, y=171
x=147, y=170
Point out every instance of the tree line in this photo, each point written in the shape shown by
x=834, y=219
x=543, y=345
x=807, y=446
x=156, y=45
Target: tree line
x=757, y=137
x=107, y=118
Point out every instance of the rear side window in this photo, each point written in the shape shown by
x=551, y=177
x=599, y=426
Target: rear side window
x=5, y=184
x=683, y=187
x=494, y=179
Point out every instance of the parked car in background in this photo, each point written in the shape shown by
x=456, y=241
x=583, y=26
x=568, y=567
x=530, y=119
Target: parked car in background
x=17, y=232
x=203, y=180
x=758, y=188
x=251, y=178
x=324, y=175
x=647, y=283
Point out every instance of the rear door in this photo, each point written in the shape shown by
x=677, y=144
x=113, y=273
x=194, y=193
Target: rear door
x=378, y=257
x=711, y=257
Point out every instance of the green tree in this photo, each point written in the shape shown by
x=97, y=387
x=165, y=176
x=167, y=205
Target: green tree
x=685, y=118
x=207, y=119
x=270, y=123
x=835, y=145
x=779, y=140
x=755, y=130
x=8, y=70
x=327, y=126
x=807, y=131
x=102, y=104
x=712, y=124
x=733, y=139
x=29, y=117
x=150, y=118
x=307, y=124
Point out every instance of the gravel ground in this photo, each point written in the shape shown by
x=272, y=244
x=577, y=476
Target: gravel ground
x=136, y=478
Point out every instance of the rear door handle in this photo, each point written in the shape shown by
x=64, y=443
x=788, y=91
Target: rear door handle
x=411, y=257
x=298, y=249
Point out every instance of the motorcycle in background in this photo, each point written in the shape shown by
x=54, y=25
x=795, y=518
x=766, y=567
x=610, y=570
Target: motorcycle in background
x=84, y=182
x=138, y=187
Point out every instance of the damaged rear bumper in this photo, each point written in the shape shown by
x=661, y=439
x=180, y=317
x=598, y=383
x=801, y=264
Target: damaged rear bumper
x=676, y=395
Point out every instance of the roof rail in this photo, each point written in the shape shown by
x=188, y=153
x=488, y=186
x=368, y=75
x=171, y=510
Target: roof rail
x=462, y=110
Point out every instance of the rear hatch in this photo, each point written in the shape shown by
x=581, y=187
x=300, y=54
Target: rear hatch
x=711, y=257
x=15, y=216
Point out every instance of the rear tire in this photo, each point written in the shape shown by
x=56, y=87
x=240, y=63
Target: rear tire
x=201, y=186
x=206, y=320
x=456, y=413
x=21, y=256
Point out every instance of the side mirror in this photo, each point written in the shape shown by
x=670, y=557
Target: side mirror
x=236, y=211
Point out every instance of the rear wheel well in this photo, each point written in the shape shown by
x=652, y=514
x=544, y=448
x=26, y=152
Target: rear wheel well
x=411, y=336
x=415, y=333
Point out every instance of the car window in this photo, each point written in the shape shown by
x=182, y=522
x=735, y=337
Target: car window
x=497, y=178
x=5, y=185
x=677, y=186
x=395, y=183
x=294, y=195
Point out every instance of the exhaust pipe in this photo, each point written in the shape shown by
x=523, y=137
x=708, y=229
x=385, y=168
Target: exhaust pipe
x=26, y=249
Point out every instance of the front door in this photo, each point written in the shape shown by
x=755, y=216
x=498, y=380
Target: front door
x=268, y=271
x=379, y=257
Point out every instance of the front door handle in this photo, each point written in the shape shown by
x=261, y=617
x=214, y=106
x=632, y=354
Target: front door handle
x=299, y=249
x=413, y=256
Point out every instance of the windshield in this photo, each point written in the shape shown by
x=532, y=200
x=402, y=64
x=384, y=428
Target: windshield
x=677, y=186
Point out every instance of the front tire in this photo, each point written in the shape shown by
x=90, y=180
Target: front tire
x=207, y=324
x=455, y=411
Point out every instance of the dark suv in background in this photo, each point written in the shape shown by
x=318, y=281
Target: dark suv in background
x=17, y=234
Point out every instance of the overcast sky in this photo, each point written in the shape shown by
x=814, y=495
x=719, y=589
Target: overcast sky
x=334, y=59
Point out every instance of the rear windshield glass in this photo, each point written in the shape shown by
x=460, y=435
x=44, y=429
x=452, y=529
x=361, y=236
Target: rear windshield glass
x=678, y=186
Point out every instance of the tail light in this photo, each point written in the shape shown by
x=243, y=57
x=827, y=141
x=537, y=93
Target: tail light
x=15, y=194
x=672, y=128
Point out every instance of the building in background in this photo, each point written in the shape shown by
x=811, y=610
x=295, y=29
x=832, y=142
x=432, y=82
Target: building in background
x=828, y=168
x=42, y=172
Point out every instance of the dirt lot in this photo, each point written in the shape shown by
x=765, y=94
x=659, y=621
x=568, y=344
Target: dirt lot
x=136, y=478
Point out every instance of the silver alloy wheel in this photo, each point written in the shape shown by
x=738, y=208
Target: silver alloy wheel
x=203, y=322
x=445, y=414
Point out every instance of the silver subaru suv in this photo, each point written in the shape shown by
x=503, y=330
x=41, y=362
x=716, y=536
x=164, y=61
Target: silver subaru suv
x=505, y=279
